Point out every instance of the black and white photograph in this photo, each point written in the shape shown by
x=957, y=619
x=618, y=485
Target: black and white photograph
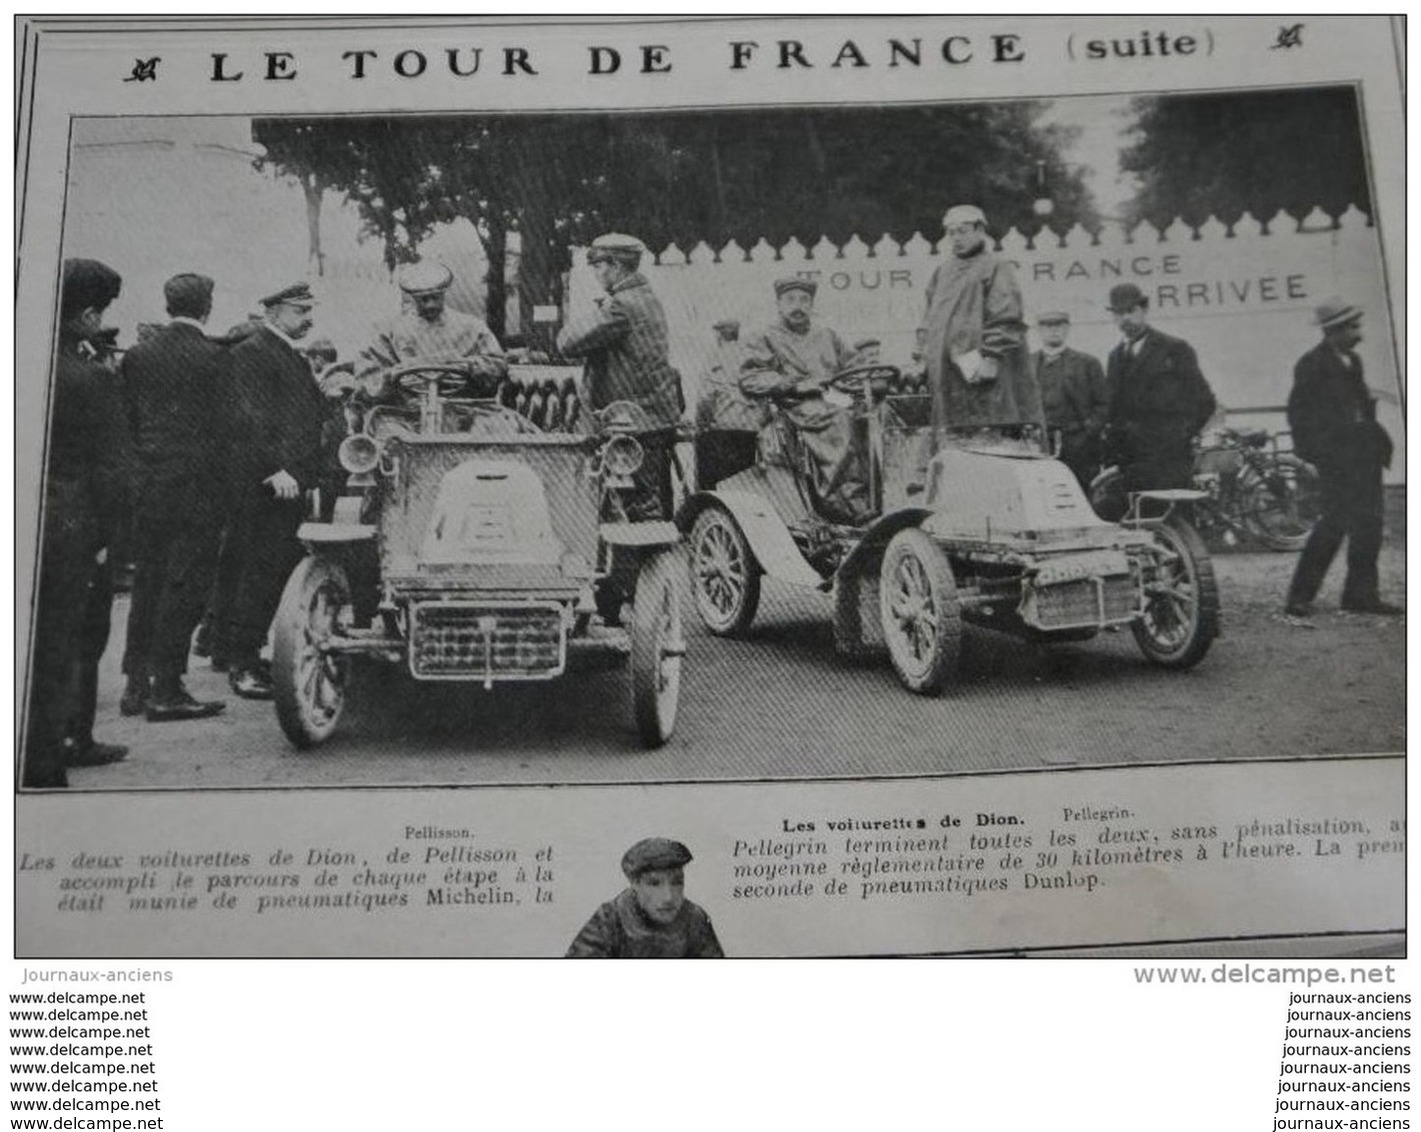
x=438, y=462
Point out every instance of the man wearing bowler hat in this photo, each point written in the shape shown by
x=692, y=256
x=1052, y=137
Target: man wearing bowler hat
x=976, y=340
x=430, y=330
x=651, y=918
x=1334, y=421
x=276, y=418
x=171, y=386
x=1160, y=401
x=792, y=361
x=84, y=486
x=1074, y=397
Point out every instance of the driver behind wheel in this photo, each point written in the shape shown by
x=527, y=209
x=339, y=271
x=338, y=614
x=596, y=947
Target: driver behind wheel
x=793, y=360
x=429, y=330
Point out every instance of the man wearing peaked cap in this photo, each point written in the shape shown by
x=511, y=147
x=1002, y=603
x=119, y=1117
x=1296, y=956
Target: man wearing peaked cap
x=433, y=331
x=1074, y=397
x=792, y=361
x=1333, y=417
x=1159, y=399
x=276, y=417
x=89, y=466
x=623, y=342
x=172, y=387
x=976, y=337
x=651, y=918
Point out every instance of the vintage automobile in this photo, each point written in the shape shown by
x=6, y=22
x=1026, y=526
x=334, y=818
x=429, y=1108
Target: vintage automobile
x=975, y=526
x=472, y=545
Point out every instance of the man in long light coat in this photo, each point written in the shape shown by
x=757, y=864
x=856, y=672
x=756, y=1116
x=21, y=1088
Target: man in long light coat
x=976, y=337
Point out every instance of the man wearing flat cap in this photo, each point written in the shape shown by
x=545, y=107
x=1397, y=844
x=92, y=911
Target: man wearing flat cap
x=1159, y=400
x=792, y=361
x=276, y=418
x=977, y=368
x=1074, y=397
x=623, y=343
x=430, y=330
x=651, y=918
x=728, y=422
x=172, y=386
x=87, y=474
x=1333, y=417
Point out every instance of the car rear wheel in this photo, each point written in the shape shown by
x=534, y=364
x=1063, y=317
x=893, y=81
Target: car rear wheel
x=725, y=578
x=310, y=681
x=1181, y=609
x=918, y=606
x=658, y=645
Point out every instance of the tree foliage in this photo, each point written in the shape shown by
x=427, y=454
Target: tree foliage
x=1255, y=152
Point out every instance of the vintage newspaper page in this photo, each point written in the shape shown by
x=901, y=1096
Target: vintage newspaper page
x=953, y=577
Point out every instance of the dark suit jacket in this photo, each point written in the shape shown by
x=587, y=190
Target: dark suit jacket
x=1332, y=415
x=172, y=385
x=1074, y=393
x=1159, y=401
x=275, y=411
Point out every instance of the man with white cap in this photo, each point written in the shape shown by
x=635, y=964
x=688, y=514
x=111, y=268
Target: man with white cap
x=624, y=344
x=1334, y=421
x=791, y=361
x=429, y=330
x=976, y=340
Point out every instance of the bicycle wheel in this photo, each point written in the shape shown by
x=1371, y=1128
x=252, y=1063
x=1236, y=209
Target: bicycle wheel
x=1282, y=501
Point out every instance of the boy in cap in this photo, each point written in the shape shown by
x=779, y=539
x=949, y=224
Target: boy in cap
x=793, y=359
x=1334, y=421
x=727, y=420
x=976, y=340
x=1074, y=397
x=1160, y=401
x=651, y=918
x=430, y=330
x=88, y=471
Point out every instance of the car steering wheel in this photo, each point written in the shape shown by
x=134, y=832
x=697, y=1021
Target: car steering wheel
x=855, y=378
x=450, y=378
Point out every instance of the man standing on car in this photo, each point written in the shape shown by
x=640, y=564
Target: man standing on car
x=1074, y=396
x=430, y=330
x=171, y=387
x=793, y=360
x=1159, y=403
x=976, y=340
x=624, y=344
x=85, y=481
x=1334, y=423
x=277, y=413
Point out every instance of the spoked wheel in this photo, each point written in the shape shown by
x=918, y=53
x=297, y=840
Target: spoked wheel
x=657, y=648
x=1282, y=501
x=918, y=607
x=309, y=680
x=1107, y=495
x=725, y=578
x=1181, y=614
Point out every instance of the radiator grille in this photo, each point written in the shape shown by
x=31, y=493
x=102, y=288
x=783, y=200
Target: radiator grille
x=1076, y=603
x=467, y=640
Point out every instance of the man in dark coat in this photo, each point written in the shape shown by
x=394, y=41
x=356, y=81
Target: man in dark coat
x=624, y=342
x=171, y=387
x=1160, y=401
x=276, y=414
x=651, y=919
x=1074, y=396
x=1334, y=423
x=84, y=488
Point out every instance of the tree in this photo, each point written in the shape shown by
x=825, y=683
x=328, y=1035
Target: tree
x=1258, y=152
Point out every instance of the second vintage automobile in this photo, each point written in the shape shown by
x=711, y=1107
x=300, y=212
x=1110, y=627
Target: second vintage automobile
x=472, y=545
x=978, y=526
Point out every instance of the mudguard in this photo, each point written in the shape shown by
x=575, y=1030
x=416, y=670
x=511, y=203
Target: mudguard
x=764, y=530
x=656, y=532
x=335, y=532
x=876, y=536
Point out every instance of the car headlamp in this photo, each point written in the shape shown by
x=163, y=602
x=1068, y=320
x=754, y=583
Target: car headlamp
x=622, y=455
x=359, y=454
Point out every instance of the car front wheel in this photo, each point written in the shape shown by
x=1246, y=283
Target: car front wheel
x=310, y=680
x=658, y=645
x=918, y=605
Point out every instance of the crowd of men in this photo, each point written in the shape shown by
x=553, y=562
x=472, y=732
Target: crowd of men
x=200, y=452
